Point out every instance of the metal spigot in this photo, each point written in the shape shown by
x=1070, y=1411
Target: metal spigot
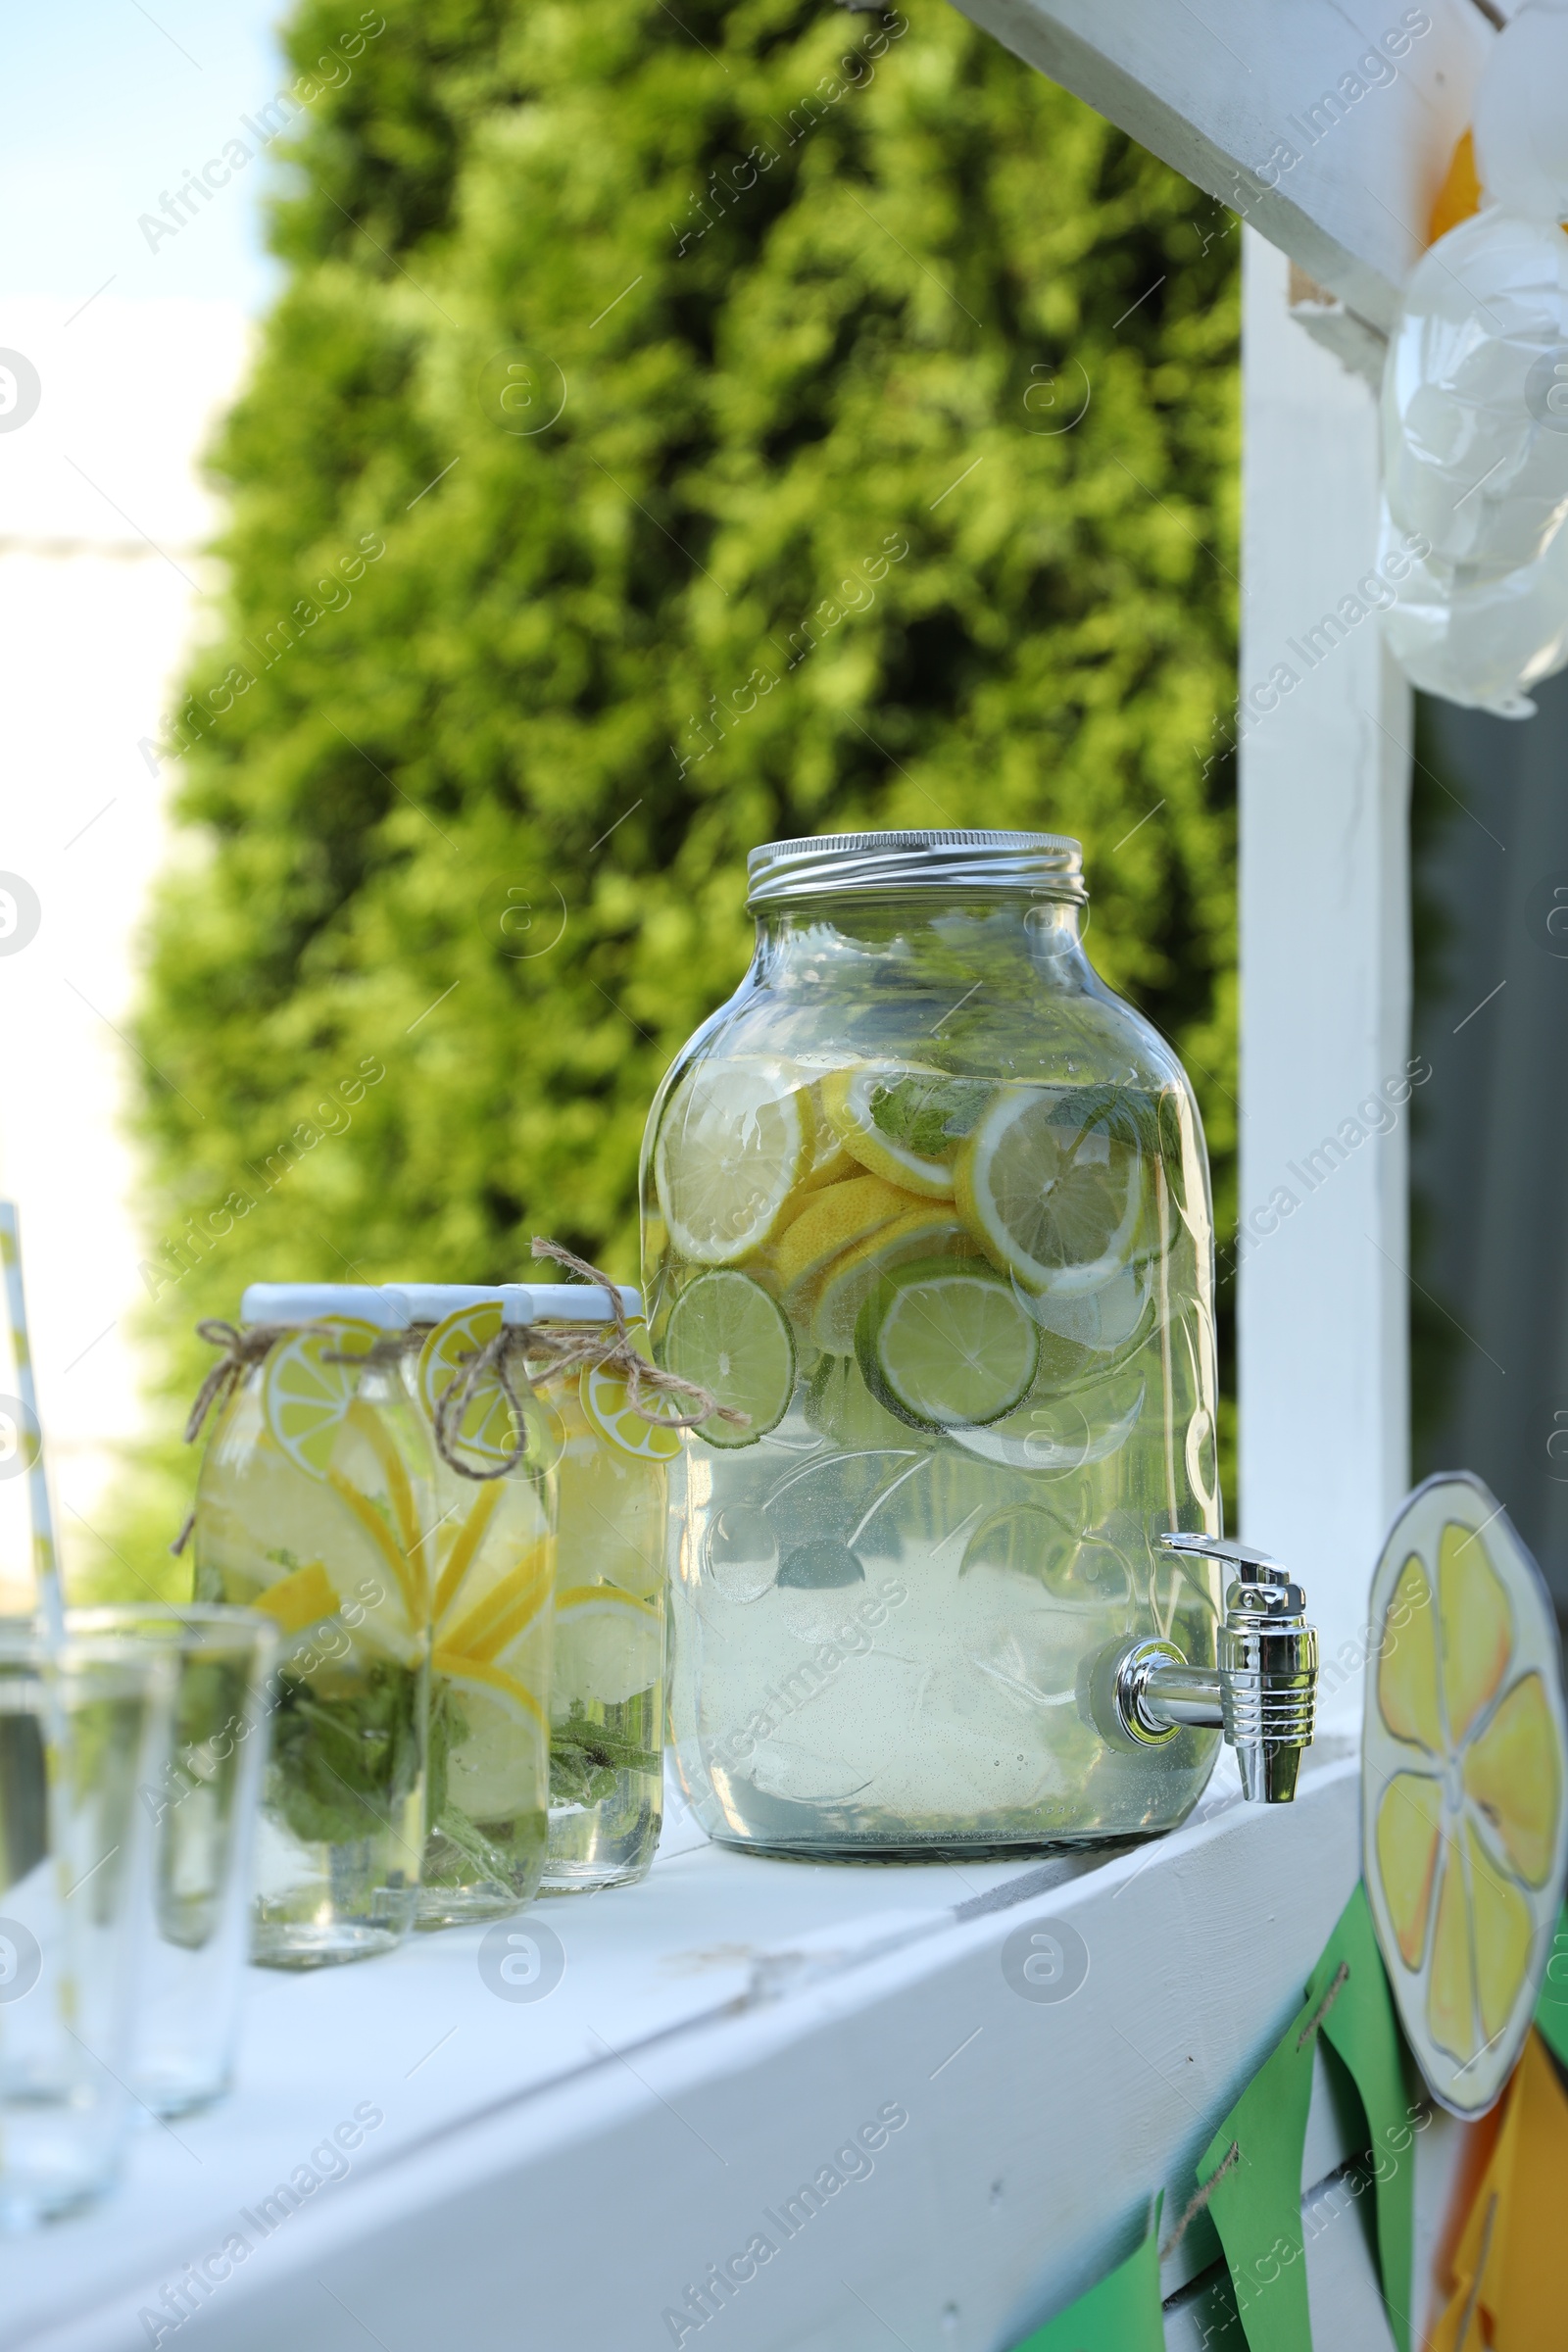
x=1263, y=1693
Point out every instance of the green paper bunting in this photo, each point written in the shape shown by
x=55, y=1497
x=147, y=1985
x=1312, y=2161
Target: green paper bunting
x=1251, y=2168
x=1364, y=2033
x=1122, y=2314
x=1255, y=2159
x=1552, y=2009
x=1252, y=2171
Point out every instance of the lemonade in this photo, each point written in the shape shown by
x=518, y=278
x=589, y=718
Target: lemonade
x=931, y=1206
x=489, y=1560
x=607, y=1705
x=312, y=1505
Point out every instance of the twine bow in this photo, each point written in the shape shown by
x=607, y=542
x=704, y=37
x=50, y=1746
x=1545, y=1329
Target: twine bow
x=241, y=1350
x=543, y=1353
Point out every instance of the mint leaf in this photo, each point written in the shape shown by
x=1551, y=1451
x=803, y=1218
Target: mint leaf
x=928, y=1116
x=341, y=1764
x=586, y=1759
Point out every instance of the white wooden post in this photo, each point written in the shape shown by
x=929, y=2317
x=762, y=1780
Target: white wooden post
x=1324, y=720
x=1329, y=125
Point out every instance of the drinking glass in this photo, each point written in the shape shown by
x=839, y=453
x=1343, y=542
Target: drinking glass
x=81, y=1729
x=201, y=1808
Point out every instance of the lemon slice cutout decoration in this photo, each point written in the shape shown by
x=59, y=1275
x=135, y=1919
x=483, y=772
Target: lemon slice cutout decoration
x=603, y=1395
x=1464, y=1786
x=306, y=1394
x=488, y=1434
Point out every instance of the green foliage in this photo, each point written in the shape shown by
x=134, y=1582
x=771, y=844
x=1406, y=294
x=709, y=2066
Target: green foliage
x=902, y=492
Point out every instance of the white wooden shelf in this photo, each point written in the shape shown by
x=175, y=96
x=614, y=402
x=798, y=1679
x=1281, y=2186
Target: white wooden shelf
x=557, y=2174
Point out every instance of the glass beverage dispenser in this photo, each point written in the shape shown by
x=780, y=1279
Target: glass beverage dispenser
x=930, y=1207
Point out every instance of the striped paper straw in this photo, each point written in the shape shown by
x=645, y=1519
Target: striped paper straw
x=45, y=1560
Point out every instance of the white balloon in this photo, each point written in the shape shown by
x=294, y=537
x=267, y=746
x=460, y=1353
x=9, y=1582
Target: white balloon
x=1479, y=637
x=1521, y=114
x=1475, y=393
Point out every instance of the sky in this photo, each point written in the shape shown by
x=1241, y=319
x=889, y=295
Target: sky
x=107, y=106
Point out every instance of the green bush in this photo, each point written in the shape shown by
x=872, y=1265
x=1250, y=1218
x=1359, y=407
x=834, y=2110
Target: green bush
x=886, y=374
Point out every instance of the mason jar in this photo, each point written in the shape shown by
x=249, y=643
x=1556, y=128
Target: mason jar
x=489, y=1564
x=312, y=1506
x=607, y=1684
x=929, y=1206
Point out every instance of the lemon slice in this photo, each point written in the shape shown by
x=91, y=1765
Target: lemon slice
x=733, y=1144
x=927, y=1231
x=943, y=1344
x=726, y=1333
x=608, y=1646
x=1050, y=1183
x=304, y=1398
x=498, y=1769
x=903, y=1122
x=484, y=1623
x=301, y=1599
x=1465, y=1759
x=831, y=1157
x=830, y=1221
x=603, y=1396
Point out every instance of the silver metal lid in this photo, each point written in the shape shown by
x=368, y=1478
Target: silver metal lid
x=1047, y=864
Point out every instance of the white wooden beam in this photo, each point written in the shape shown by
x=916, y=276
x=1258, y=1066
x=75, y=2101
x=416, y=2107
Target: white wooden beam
x=1228, y=91
x=1324, y=720
x=564, y=2172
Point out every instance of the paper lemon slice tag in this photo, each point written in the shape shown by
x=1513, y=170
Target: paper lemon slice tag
x=488, y=1433
x=1464, y=1786
x=306, y=1396
x=604, y=1403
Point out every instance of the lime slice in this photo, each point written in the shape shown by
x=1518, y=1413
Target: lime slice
x=726, y=1333
x=603, y=1395
x=831, y=1221
x=947, y=1344
x=305, y=1398
x=1050, y=1184
x=608, y=1646
x=733, y=1144
x=904, y=1123
x=921, y=1232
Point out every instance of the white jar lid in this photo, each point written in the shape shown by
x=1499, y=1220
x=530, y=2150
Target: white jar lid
x=313, y=1301
x=578, y=1301
x=433, y=1301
